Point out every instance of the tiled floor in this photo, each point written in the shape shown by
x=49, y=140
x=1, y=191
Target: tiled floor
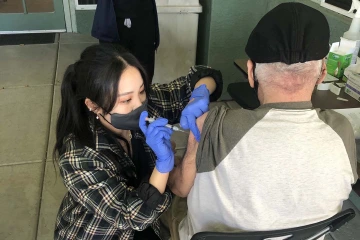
x=30, y=188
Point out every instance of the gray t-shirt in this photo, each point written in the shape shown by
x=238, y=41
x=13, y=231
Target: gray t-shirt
x=280, y=166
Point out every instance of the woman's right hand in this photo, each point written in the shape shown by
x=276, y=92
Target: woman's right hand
x=158, y=138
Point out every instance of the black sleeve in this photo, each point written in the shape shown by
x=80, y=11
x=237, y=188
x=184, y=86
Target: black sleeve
x=203, y=71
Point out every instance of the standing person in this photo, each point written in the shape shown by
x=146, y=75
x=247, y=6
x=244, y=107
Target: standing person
x=115, y=173
x=132, y=24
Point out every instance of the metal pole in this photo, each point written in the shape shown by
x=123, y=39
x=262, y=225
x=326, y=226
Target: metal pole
x=24, y=6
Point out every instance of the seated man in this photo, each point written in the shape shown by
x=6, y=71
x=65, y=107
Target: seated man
x=284, y=164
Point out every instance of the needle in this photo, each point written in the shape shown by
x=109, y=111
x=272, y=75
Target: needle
x=176, y=129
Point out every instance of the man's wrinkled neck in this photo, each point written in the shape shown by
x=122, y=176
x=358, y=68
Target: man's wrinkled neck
x=276, y=95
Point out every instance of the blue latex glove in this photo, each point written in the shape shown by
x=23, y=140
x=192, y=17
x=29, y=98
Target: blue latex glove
x=195, y=109
x=158, y=138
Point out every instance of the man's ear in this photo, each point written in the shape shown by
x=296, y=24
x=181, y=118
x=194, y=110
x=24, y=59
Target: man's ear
x=93, y=107
x=250, y=67
x=322, y=74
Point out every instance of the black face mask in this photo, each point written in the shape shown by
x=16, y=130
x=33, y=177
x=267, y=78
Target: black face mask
x=256, y=102
x=256, y=86
x=256, y=83
x=128, y=121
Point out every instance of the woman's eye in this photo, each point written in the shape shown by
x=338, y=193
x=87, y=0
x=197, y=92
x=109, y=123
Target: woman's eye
x=127, y=101
x=142, y=92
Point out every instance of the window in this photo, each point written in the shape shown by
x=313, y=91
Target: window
x=85, y=4
x=343, y=4
x=339, y=6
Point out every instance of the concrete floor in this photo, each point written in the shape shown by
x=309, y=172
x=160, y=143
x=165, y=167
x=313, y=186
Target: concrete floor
x=30, y=188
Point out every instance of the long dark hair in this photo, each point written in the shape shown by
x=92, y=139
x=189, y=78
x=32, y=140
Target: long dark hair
x=95, y=76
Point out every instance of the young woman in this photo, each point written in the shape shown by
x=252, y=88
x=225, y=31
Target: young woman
x=115, y=173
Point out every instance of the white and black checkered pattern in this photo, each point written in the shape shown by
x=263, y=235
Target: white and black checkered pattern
x=101, y=202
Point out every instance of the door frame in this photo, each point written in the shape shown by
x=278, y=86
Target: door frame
x=69, y=24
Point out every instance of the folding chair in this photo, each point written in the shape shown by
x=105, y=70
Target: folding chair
x=308, y=232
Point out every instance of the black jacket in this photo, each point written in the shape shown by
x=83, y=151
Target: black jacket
x=105, y=26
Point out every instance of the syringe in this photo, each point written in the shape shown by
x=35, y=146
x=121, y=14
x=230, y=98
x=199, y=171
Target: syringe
x=176, y=129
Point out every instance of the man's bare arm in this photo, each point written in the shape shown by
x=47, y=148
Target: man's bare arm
x=182, y=177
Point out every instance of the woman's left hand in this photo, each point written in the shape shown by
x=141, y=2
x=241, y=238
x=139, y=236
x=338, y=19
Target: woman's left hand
x=198, y=105
x=158, y=138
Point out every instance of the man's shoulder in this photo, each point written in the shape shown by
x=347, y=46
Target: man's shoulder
x=238, y=118
x=228, y=112
x=334, y=119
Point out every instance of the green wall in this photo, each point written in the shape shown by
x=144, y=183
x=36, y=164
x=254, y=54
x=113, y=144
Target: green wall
x=84, y=20
x=225, y=25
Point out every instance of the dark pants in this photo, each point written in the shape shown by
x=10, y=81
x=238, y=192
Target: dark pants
x=139, y=40
x=147, y=234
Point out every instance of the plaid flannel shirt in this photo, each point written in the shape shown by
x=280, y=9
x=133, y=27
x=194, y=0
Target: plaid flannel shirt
x=101, y=202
